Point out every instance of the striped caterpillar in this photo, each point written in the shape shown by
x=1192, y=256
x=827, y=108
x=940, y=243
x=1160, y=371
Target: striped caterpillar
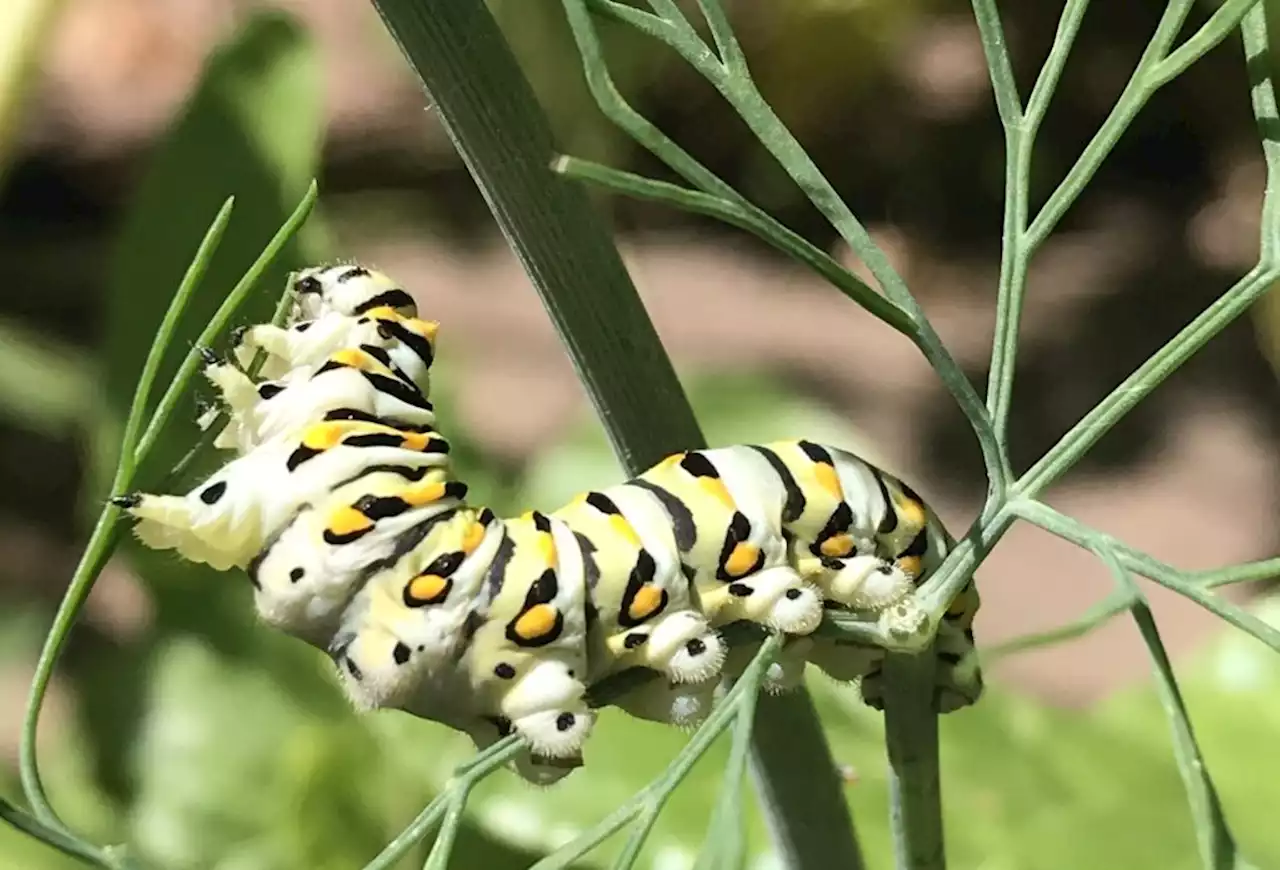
x=341, y=507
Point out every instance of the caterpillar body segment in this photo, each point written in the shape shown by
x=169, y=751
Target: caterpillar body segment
x=353, y=384
x=738, y=562
x=305, y=575
x=343, y=509
x=308, y=344
x=229, y=517
x=654, y=618
x=408, y=621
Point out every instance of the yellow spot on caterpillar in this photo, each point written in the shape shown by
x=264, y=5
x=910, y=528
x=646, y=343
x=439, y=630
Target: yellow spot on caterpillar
x=323, y=436
x=383, y=312
x=427, y=328
x=909, y=565
x=473, y=537
x=671, y=460
x=741, y=560
x=423, y=493
x=837, y=546
x=547, y=547
x=428, y=588
x=646, y=602
x=536, y=622
x=416, y=440
x=623, y=528
x=911, y=512
x=828, y=479
x=351, y=357
x=716, y=489
x=346, y=520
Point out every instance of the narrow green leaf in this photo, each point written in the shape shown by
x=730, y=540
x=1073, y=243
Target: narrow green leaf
x=250, y=130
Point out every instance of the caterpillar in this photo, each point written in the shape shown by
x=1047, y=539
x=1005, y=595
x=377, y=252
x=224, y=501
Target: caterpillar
x=340, y=505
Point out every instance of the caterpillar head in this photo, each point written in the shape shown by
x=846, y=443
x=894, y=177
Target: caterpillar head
x=347, y=289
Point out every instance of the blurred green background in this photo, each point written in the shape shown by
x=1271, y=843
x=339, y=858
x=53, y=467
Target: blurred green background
x=179, y=725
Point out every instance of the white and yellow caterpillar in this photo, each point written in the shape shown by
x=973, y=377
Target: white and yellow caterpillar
x=341, y=507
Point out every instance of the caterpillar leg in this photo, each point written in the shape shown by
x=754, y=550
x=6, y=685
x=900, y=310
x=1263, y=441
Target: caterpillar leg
x=680, y=645
x=783, y=674
x=858, y=582
x=844, y=662
x=957, y=682
x=236, y=390
x=776, y=597
x=533, y=768
x=547, y=705
x=684, y=705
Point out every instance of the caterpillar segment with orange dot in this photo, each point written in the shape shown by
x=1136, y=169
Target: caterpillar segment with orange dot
x=342, y=508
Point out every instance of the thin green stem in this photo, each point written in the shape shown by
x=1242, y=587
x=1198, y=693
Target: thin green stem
x=207, y=437
x=648, y=802
x=1134, y=96
x=464, y=779
x=1116, y=602
x=911, y=738
x=726, y=42
x=1166, y=575
x=105, y=534
x=1020, y=136
x=222, y=317
x=1047, y=82
x=1259, y=62
x=1124, y=398
x=724, y=845
x=740, y=92
x=56, y=837
x=740, y=213
x=1225, y=19
x=1213, y=836
x=1008, y=103
x=164, y=338
x=1251, y=572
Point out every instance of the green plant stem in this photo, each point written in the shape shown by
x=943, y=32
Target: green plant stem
x=740, y=213
x=222, y=317
x=911, y=737
x=1140, y=563
x=1250, y=572
x=1020, y=135
x=55, y=837
x=490, y=113
x=740, y=92
x=648, y=802
x=464, y=779
x=1260, y=61
x=493, y=119
x=103, y=538
x=1213, y=837
x=1084, y=434
x=106, y=531
x=1116, y=602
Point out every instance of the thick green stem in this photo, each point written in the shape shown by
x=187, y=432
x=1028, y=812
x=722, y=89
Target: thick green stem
x=911, y=737
x=492, y=116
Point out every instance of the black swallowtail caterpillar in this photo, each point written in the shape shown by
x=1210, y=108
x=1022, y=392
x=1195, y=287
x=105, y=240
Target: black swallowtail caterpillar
x=341, y=507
